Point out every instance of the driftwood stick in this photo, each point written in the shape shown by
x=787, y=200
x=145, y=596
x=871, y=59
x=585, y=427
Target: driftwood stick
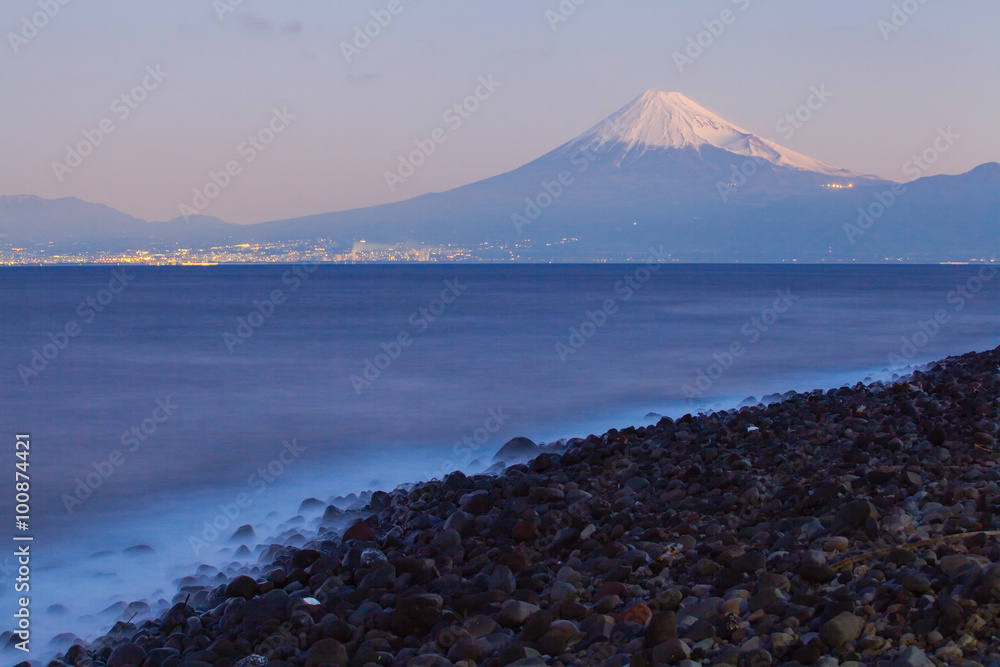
x=912, y=545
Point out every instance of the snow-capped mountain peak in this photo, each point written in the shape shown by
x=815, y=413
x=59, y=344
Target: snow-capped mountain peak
x=661, y=120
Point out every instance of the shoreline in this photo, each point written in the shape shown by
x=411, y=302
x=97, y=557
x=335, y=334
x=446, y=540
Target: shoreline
x=722, y=538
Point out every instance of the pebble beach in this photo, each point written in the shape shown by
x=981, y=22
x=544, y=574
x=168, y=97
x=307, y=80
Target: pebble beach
x=851, y=526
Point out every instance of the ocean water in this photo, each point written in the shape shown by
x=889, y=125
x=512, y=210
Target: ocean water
x=167, y=406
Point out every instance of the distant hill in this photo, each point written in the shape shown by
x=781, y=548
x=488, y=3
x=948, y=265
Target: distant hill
x=73, y=223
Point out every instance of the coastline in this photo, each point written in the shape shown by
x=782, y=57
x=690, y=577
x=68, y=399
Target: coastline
x=724, y=538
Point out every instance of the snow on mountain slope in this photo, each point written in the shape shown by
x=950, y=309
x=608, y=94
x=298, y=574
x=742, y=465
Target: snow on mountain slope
x=659, y=120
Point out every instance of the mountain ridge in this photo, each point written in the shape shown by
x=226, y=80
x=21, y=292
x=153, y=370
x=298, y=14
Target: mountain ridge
x=659, y=170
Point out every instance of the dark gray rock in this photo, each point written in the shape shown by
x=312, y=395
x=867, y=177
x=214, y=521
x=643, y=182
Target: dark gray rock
x=125, y=655
x=840, y=629
x=516, y=449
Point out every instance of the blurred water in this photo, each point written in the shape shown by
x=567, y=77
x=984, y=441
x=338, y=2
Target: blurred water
x=492, y=355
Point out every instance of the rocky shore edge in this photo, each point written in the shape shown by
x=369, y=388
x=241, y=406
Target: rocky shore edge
x=855, y=526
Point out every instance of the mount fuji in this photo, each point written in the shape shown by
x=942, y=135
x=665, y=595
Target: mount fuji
x=664, y=121
x=662, y=171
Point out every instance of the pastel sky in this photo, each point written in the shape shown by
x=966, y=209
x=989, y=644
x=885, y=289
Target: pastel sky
x=229, y=64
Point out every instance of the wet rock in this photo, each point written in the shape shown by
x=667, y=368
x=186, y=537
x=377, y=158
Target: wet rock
x=516, y=449
x=607, y=603
x=461, y=522
x=503, y=580
x=840, y=629
x=639, y=613
x=271, y=605
x=598, y=627
x=469, y=649
x=984, y=439
x=379, y=501
x=514, y=613
x=536, y=625
x=372, y=556
x=360, y=530
x=447, y=540
x=671, y=651
x=749, y=562
x=311, y=505
x=416, y=614
x=382, y=576
x=758, y=657
x=332, y=513
x=768, y=599
x=954, y=565
x=514, y=654
x=838, y=543
x=560, y=636
x=303, y=558
x=662, y=627
x=816, y=573
x=916, y=583
x=242, y=587
x=127, y=654
x=476, y=502
x=989, y=589
x=525, y=531
x=853, y=516
x=912, y=657
x=243, y=535
x=326, y=652
x=139, y=550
